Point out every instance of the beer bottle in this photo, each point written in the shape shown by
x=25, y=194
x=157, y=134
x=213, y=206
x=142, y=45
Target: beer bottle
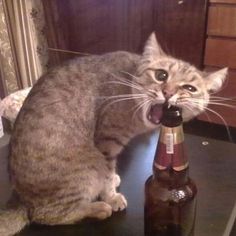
x=170, y=195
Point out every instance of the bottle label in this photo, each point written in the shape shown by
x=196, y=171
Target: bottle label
x=169, y=140
x=171, y=151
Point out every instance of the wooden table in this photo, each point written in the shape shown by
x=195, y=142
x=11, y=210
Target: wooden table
x=212, y=166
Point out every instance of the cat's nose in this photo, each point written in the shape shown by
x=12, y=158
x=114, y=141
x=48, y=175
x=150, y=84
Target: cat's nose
x=168, y=93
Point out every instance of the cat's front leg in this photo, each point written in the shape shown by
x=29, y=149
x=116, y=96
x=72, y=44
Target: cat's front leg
x=109, y=194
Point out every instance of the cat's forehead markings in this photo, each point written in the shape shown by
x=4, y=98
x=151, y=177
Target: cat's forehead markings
x=192, y=79
x=173, y=66
x=162, y=64
x=177, y=66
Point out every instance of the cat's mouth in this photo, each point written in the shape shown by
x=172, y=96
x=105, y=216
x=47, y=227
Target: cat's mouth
x=155, y=113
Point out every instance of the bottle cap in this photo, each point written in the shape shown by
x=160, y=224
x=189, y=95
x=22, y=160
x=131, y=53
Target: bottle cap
x=172, y=116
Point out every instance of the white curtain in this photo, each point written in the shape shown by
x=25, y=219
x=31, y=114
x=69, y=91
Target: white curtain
x=7, y=63
x=25, y=22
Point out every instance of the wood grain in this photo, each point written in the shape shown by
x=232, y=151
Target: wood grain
x=220, y=52
x=95, y=27
x=223, y=1
x=181, y=28
x=222, y=20
x=56, y=30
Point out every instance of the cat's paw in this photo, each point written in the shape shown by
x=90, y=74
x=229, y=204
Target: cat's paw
x=116, y=180
x=100, y=210
x=117, y=202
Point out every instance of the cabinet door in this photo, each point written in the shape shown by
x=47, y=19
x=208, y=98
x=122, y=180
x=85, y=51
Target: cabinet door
x=95, y=27
x=92, y=26
x=181, y=28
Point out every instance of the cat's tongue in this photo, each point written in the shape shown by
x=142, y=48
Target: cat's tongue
x=155, y=114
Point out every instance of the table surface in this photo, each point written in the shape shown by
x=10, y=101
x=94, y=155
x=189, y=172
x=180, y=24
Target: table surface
x=212, y=166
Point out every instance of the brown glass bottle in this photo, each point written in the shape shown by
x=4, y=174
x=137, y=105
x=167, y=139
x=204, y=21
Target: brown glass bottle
x=170, y=195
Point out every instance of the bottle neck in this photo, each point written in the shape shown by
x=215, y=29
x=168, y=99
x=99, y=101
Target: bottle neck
x=171, y=162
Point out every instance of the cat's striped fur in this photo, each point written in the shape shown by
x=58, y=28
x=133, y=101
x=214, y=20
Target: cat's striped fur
x=77, y=119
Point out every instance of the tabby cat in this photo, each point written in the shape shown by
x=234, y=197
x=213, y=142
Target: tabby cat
x=79, y=117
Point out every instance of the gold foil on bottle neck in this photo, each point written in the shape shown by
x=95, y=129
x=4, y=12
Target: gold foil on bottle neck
x=160, y=167
x=171, y=151
x=176, y=168
x=177, y=132
x=180, y=168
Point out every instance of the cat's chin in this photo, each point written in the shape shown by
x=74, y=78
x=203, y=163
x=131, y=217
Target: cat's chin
x=155, y=113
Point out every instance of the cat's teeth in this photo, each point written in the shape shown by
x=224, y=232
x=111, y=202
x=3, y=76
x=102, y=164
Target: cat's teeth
x=150, y=118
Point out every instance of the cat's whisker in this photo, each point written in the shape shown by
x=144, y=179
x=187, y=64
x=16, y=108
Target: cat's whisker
x=126, y=84
x=130, y=82
x=140, y=106
x=197, y=105
x=137, y=95
x=120, y=100
x=226, y=101
x=219, y=103
x=204, y=112
x=222, y=104
x=223, y=120
x=216, y=99
x=207, y=116
x=223, y=98
x=188, y=100
x=187, y=106
x=199, y=101
x=127, y=73
x=194, y=99
x=152, y=93
x=134, y=82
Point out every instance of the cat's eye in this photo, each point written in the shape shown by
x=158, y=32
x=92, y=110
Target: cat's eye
x=189, y=87
x=161, y=75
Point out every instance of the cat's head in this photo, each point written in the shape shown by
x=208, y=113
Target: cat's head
x=165, y=79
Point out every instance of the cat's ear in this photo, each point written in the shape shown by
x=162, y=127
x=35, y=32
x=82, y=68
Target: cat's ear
x=215, y=80
x=152, y=48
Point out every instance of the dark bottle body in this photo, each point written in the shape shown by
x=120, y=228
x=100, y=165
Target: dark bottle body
x=169, y=209
x=170, y=195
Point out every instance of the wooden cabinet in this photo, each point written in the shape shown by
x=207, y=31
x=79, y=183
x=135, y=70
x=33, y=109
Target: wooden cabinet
x=221, y=20
x=220, y=51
